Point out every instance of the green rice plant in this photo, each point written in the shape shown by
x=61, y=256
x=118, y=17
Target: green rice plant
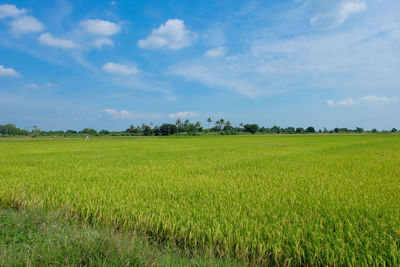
x=291, y=200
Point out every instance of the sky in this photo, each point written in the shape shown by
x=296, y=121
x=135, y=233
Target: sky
x=108, y=64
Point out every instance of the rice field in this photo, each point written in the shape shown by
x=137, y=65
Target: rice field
x=288, y=200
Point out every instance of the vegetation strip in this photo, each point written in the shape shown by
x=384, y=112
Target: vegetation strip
x=221, y=127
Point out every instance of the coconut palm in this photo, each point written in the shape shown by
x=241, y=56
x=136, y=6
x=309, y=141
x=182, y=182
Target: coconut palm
x=222, y=122
x=186, y=124
x=178, y=123
x=209, y=120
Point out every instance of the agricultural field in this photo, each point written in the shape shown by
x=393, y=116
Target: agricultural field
x=292, y=200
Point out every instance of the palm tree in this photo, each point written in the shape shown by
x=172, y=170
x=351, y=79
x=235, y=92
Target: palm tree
x=186, y=123
x=242, y=124
x=209, y=121
x=222, y=122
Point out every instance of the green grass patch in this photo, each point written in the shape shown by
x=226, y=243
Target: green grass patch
x=33, y=237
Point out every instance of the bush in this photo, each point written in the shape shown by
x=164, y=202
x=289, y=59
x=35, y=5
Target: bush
x=251, y=128
x=168, y=129
x=90, y=131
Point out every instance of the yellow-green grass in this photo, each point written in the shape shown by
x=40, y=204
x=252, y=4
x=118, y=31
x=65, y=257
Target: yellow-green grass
x=258, y=199
x=35, y=237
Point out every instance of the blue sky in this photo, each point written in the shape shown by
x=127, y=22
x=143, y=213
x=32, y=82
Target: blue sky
x=108, y=64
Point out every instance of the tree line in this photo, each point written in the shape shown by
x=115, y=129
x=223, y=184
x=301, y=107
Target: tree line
x=180, y=127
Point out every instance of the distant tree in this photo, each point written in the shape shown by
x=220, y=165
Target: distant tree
x=146, y=130
x=157, y=130
x=90, y=131
x=228, y=127
x=275, y=129
x=251, y=128
x=69, y=131
x=178, y=124
x=217, y=126
x=58, y=133
x=35, y=131
x=132, y=130
x=191, y=129
x=9, y=129
x=168, y=129
x=198, y=126
x=394, y=130
x=290, y=130
x=300, y=130
x=186, y=124
x=336, y=130
x=359, y=130
x=222, y=122
x=104, y=132
x=35, y=128
x=374, y=130
x=209, y=121
x=310, y=129
x=267, y=130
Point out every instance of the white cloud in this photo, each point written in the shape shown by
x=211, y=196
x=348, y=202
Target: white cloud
x=124, y=114
x=374, y=98
x=183, y=114
x=7, y=10
x=120, y=69
x=26, y=24
x=8, y=72
x=100, y=42
x=355, y=59
x=172, y=35
x=330, y=102
x=232, y=58
x=216, y=52
x=100, y=27
x=219, y=76
x=334, y=13
x=362, y=100
x=48, y=39
x=172, y=98
x=38, y=86
x=345, y=102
